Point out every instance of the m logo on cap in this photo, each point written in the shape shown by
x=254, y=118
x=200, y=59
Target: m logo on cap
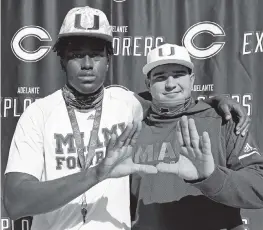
x=164, y=52
x=78, y=25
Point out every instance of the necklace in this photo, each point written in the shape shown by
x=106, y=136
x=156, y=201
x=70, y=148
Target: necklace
x=84, y=162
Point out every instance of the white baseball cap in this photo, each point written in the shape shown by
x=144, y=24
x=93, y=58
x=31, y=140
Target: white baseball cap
x=167, y=54
x=86, y=21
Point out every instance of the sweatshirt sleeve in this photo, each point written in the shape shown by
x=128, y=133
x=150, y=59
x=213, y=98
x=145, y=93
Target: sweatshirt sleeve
x=240, y=183
x=135, y=182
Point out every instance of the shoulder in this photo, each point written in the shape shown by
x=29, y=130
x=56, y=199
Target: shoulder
x=210, y=117
x=42, y=107
x=128, y=100
x=118, y=92
x=122, y=96
x=204, y=110
x=50, y=101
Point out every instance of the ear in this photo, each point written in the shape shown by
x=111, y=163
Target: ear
x=108, y=62
x=192, y=79
x=147, y=83
x=63, y=64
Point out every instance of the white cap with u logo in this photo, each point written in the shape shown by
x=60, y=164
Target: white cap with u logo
x=86, y=21
x=167, y=54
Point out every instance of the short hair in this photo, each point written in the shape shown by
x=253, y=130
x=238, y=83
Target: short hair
x=64, y=42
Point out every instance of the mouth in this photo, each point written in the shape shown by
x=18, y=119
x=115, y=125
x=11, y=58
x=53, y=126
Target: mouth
x=87, y=77
x=171, y=93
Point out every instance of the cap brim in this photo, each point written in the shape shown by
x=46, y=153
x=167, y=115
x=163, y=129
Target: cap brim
x=148, y=67
x=90, y=35
x=95, y=35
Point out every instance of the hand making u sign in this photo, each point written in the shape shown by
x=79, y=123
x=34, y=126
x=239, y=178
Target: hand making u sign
x=196, y=160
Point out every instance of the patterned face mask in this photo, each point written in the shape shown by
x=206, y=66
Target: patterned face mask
x=81, y=101
x=171, y=111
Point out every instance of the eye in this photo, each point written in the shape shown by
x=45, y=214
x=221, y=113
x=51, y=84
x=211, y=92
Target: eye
x=97, y=56
x=160, y=78
x=78, y=55
x=74, y=56
x=179, y=75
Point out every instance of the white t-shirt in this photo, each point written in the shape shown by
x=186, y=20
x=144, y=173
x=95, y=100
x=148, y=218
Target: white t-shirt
x=43, y=146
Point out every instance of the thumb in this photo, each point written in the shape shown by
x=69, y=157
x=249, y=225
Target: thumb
x=168, y=168
x=149, y=169
x=228, y=116
x=226, y=112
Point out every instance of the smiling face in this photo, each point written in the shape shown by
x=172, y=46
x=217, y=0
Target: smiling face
x=86, y=63
x=170, y=84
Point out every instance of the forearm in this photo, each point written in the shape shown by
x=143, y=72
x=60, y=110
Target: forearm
x=34, y=197
x=241, y=189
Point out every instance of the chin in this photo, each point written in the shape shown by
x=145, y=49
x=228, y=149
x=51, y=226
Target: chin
x=171, y=102
x=175, y=98
x=88, y=88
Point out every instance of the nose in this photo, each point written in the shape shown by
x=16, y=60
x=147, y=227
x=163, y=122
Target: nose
x=87, y=63
x=170, y=83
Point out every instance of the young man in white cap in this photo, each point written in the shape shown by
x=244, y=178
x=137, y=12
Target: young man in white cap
x=202, y=181
x=60, y=136
x=63, y=166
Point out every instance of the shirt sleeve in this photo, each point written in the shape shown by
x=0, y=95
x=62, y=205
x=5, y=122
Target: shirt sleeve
x=26, y=154
x=240, y=183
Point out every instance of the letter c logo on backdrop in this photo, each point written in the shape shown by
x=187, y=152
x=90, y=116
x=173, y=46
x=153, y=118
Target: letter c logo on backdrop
x=30, y=56
x=203, y=27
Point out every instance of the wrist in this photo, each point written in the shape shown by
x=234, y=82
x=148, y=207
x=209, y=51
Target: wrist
x=194, y=181
x=201, y=177
x=92, y=174
x=208, y=172
x=214, y=101
x=213, y=184
x=100, y=175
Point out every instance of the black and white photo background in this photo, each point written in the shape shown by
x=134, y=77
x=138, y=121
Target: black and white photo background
x=223, y=37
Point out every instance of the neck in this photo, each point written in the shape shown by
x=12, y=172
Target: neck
x=82, y=95
x=82, y=101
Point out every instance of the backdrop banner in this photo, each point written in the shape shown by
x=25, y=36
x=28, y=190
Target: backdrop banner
x=224, y=38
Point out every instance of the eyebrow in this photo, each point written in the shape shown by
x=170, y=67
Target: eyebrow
x=158, y=73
